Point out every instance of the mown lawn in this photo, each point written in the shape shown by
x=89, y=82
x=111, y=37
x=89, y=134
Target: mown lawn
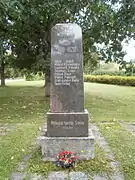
x=110, y=103
x=23, y=103
x=110, y=106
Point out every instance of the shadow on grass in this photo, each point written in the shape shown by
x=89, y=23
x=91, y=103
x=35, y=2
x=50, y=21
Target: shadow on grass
x=22, y=104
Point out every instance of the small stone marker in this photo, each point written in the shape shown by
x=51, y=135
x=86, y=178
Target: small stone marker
x=57, y=176
x=78, y=176
x=67, y=116
x=18, y=176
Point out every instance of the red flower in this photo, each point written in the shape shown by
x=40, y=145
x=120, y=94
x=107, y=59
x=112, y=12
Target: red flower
x=62, y=159
x=74, y=157
x=71, y=152
x=65, y=152
x=66, y=158
x=69, y=161
x=61, y=153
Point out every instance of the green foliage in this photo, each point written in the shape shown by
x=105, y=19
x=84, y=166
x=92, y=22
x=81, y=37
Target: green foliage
x=27, y=26
x=107, y=69
x=13, y=73
x=110, y=73
x=91, y=61
x=34, y=77
x=128, y=67
x=110, y=66
x=106, y=79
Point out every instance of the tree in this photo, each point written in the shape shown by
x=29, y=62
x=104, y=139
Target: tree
x=2, y=65
x=5, y=32
x=2, y=50
x=91, y=62
x=3, y=60
x=128, y=67
x=32, y=27
x=102, y=24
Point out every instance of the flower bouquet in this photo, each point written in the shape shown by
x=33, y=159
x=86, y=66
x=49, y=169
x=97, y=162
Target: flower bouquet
x=66, y=159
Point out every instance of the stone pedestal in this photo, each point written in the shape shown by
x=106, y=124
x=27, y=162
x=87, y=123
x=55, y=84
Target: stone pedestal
x=73, y=124
x=51, y=146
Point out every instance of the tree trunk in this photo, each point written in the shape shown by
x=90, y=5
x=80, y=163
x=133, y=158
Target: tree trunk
x=47, y=39
x=2, y=74
x=47, y=85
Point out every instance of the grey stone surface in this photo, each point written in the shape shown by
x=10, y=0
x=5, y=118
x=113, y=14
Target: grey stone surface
x=115, y=164
x=67, y=124
x=57, y=176
x=67, y=89
x=27, y=157
x=100, y=177
x=35, y=177
x=78, y=176
x=3, y=133
x=102, y=142
x=51, y=146
x=117, y=177
x=108, y=177
x=21, y=166
x=22, y=176
x=130, y=127
x=18, y=176
x=5, y=128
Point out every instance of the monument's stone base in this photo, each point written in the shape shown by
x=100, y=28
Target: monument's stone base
x=51, y=146
x=69, y=124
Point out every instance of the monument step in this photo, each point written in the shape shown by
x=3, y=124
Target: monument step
x=51, y=146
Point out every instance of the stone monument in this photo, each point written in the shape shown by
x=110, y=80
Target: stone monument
x=67, y=120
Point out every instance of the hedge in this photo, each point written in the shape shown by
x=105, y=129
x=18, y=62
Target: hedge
x=110, y=73
x=106, y=79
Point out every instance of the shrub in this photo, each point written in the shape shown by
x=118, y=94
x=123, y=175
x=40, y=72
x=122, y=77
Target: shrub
x=34, y=77
x=110, y=73
x=106, y=79
x=13, y=73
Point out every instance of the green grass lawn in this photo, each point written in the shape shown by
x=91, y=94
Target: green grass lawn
x=23, y=103
x=110, y=103
x=114, y=104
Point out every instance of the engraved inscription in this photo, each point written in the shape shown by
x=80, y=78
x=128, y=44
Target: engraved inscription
x=67, y=124
x=58, y=49
x=72, y=49
x=65, y=72
x=67, y=90
x=64, y=42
